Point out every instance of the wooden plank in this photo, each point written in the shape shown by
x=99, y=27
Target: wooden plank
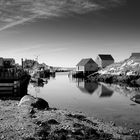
x=6, y=84
x=6, y=92
x=6, y=88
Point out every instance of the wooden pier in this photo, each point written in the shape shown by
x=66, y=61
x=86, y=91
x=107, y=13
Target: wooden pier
x=13, y=78
x=14, y=86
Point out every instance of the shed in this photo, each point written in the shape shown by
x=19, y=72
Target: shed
x=87, y=65
x=104, y=60
x=135, y=55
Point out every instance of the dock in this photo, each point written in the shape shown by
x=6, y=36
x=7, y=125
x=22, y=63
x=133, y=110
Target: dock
x=13, y=83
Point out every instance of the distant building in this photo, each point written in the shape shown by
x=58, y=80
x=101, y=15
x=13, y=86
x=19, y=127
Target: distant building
x=135, y=55
x=104, y=60
x=28, y=63
x=87, y=65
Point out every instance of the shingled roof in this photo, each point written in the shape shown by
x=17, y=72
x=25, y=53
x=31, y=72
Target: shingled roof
x=106, y=57
x=135, y=55
x=83, y=62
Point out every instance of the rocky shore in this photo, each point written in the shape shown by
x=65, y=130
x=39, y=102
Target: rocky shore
x=129, y=80
x=32, y=119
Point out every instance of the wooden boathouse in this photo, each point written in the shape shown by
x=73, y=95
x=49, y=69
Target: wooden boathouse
x=104, y=60
x=85, y=67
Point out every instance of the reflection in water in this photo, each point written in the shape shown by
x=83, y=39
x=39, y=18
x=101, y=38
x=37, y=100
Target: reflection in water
x=103, y=91
x=67, y=94
x=131, y=92
x=37, y=84
x=87, y=86
x=37, y=90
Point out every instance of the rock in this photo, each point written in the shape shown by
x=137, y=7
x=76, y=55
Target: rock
x=27, y=100
x=78, y=125
x=61, y=131
x=112, y=123
x=32, y=111
x=138, y=81
x=31, y=101
x=53, y=122
x=77, y=116
x=40, y=104
x=136, y=98
x=79, y=132
x=40, y=80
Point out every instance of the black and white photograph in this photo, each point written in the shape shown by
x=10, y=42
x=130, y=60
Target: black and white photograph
x=69, y=70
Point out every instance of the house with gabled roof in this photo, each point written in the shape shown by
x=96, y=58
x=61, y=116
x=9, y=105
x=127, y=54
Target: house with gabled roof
x=135, y=55
x=87, y=65
x=104, y=60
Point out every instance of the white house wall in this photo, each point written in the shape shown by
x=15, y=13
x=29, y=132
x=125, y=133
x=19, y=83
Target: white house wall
x=80, y=68
x=99, y=61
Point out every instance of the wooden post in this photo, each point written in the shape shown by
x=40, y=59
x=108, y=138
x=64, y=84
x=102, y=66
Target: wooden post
x=15, y=86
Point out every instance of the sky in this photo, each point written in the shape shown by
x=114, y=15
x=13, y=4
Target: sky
x=62, y=32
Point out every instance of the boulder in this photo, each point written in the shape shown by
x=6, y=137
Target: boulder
x=138, y=81
x=40, y=104
x=136, y=98
x=27, y=100
x=31, y=101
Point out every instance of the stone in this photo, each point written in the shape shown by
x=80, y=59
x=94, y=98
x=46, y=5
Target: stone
x=27, y=100
x=31, y=101
x=40, y=104
x=138, y=81
x=53, y=122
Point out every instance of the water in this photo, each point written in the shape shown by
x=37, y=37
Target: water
x=107, y=102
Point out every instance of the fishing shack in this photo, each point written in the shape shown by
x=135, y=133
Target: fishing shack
x=85, y=67
x=104, y=60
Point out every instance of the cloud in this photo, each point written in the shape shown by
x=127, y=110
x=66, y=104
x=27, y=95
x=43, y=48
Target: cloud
x=27, y=49
x=15, y=12
x=57, y=50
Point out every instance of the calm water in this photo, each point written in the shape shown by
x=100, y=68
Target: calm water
x=107, y=102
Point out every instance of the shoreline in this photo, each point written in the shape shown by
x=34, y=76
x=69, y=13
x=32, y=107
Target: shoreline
x=125, y=80
x=21, y=120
